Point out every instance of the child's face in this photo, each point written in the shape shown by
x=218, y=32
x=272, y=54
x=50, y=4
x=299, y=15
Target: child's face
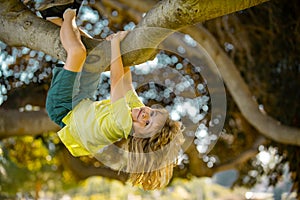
x=147, y=121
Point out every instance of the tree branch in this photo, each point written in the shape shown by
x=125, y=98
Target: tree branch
x=16, y=123
x=240, y=92
x=22, y=28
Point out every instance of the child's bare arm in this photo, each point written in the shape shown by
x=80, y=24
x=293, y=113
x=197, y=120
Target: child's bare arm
x=127, y=80
x=116, y=68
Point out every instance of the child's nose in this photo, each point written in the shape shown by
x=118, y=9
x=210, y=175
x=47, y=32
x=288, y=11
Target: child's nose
x=145, y=115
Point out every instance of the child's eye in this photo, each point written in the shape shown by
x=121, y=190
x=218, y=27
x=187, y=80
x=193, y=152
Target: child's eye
x=147, y=123
x=151, y=114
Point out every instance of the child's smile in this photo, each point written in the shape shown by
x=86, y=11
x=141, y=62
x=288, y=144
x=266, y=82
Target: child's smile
x=147, y=120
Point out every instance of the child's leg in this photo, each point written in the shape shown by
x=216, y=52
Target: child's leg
x=71, y=41
x=59, y=97
x=85, y=87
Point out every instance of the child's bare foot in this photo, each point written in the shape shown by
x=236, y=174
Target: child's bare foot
x=58, y=21
x=69, y=14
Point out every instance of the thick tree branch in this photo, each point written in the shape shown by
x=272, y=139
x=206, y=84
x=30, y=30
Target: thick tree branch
x=22, y=28
x=140, y=5
x=16, y=123
x=240, y=92
x=32, y=94
x=124, y=11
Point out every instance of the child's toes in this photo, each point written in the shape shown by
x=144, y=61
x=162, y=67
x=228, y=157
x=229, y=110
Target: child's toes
x=69, y=13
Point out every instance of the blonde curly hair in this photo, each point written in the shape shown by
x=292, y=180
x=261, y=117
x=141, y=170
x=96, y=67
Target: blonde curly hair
x=151, y=160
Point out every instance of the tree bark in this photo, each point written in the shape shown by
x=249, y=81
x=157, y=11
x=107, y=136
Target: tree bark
x=16, y=123
x=20, y=27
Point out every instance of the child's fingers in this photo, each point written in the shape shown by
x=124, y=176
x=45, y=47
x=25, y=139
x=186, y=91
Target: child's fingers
x=110, y=37
x=121, y=35
x=117, y=36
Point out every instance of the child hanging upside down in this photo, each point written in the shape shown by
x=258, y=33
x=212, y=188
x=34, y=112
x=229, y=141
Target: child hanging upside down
x=88, y=125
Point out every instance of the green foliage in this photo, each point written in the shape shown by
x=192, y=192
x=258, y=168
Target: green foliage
x=34, y=154
x=29, y=164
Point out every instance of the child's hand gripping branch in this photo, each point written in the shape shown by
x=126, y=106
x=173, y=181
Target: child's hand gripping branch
x=89, y=125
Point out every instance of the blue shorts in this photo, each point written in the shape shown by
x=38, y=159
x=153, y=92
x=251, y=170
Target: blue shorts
x=67, y=90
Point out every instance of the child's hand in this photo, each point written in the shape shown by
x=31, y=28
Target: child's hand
x=119, y=36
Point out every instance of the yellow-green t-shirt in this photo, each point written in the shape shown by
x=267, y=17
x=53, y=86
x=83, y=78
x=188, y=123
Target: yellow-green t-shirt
x=92, y=125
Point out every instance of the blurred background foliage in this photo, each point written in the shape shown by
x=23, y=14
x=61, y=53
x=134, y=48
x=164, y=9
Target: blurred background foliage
x=263, y=42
